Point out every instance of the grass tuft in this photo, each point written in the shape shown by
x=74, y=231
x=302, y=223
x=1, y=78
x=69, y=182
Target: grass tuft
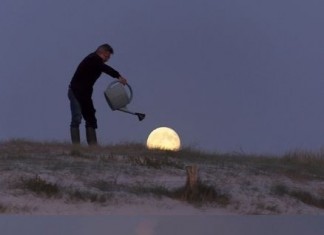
x=156, y=162
x=303, y=196
x=157, y=191
x=3, y=209
x=201, y=194
x=280, y=190
x=40, y=187
x=78, y=195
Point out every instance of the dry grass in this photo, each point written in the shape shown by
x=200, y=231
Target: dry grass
x=298, y=194
x=101, y=174
x=3, y=209
x=202, y=194
x=40, y=186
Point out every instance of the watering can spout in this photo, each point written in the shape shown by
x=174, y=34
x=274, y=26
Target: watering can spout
x=140, y=116
x=118, y=98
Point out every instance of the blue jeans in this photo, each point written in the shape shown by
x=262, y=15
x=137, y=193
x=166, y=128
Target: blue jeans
x=82, y=108
x=75, y=110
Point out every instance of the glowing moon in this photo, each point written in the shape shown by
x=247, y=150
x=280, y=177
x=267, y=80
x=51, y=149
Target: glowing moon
x=163, y=138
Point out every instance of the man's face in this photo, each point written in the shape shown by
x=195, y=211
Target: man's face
x=105, y=56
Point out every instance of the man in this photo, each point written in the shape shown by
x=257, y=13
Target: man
x=81, y=88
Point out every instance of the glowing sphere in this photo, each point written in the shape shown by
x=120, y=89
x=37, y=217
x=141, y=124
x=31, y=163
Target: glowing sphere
x=163, y=138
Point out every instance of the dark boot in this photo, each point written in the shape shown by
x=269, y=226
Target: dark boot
x=91, y=136
x=75, y=135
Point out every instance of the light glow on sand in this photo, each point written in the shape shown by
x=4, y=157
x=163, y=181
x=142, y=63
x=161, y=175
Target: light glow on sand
x=164, y=138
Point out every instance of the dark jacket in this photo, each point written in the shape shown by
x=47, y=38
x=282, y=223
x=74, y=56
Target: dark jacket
x=87, y=73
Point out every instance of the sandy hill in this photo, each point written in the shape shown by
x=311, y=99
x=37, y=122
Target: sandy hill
x=59, y=179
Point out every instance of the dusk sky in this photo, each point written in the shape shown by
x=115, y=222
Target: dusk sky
x=226, y=75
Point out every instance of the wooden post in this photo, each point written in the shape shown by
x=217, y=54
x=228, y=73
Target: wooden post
x=192, y=177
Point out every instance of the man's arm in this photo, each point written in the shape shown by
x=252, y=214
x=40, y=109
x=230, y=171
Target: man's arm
x=114, y=73
x=110, y=71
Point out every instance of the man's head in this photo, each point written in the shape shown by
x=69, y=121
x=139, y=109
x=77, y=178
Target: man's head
x=105, y=51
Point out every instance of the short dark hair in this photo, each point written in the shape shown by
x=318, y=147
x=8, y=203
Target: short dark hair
x=105, y=47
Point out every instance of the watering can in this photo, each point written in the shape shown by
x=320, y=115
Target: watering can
x=118, y=97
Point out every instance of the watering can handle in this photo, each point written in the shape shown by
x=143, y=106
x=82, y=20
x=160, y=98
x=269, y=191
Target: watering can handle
x=127, y=85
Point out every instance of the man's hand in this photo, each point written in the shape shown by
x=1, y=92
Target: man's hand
x=122, y=80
